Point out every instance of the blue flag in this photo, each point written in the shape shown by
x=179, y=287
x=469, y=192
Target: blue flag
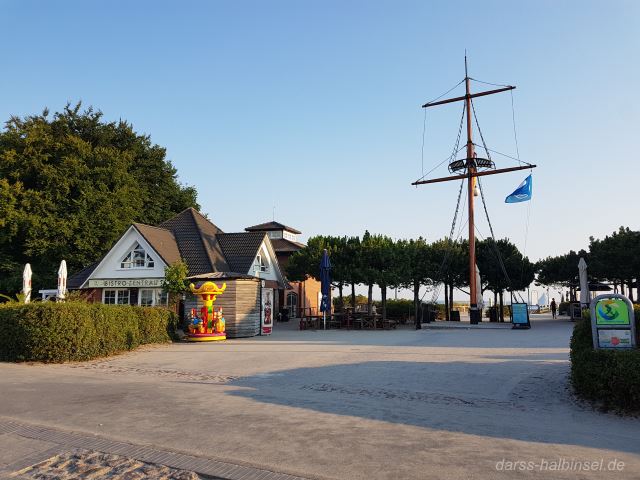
x=522, y=193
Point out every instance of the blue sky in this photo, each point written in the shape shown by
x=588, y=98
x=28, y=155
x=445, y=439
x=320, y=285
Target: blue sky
x=314, y=107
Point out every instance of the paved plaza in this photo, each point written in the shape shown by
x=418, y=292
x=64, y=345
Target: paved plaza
x=437, y=403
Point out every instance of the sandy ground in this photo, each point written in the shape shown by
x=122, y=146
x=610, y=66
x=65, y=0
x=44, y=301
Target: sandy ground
x=442, y=404
x=87, y=465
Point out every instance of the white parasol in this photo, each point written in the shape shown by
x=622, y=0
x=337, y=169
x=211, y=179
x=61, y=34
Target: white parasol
x=479, y=299
x=584, y=283
x=62, y=280
x=26, y=283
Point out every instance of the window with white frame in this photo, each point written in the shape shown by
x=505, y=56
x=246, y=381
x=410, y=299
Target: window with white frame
x=109, y=297
x=261, y=264
x=152, y=297
x=146, y=297
x=137, y=258
x=115, y=297
x=163, y=298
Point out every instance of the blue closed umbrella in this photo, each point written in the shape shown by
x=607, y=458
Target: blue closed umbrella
x=325, y=285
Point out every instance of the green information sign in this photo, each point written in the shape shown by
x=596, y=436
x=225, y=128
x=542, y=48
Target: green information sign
x=612, y=322
x=612, y=311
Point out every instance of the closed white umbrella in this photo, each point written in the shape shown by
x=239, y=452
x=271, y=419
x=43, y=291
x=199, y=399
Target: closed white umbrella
x=62, y=280
x=479, y=299
x=584, y=283
x=26, y=283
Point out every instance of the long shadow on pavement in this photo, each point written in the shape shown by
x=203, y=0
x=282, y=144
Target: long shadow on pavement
x=524, y=398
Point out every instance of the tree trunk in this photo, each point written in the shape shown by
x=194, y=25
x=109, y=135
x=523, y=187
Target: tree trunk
x=341, y=297
x=369, y=299
x=416, y=301
x=451, y=295
x=630, y=291
x=621, y=287
x=383, y=289
x=446, y=302
x=501, y=312
x=353, y=295
x=495, y=300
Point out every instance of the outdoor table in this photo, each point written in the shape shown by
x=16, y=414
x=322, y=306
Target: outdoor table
x=357, y=321
x=309, y=322
x=335, y=320
x=370, y=321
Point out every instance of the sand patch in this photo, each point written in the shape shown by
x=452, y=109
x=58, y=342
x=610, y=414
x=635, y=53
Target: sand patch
x=87, y=464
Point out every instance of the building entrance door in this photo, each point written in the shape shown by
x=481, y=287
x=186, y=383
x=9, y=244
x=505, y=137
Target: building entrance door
x=292, y=304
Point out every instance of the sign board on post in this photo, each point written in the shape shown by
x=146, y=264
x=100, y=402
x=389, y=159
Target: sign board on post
x=266, y=323
x=612, y=322
x=575, y=311
x=520, y=315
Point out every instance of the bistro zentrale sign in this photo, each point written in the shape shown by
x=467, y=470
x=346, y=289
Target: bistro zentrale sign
x=125, y=283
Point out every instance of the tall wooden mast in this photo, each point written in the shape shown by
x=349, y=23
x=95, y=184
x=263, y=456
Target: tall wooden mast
x=470, y=167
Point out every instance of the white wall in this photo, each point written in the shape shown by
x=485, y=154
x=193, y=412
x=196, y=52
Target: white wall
x=268, y=254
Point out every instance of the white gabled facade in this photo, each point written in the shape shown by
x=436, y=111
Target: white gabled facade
x=131, y=272
x=265, y=264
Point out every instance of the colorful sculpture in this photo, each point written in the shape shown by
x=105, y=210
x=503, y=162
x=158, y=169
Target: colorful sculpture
x=210, y=325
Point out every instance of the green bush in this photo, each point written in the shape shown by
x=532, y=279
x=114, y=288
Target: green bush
x=610, y=378
x=59, y=332
x=401, y=308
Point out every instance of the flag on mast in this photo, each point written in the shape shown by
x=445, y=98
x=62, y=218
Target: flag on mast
x=522, y=193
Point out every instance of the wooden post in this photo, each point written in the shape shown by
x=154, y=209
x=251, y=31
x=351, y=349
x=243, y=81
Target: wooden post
x=471, y=170
x=447, y=307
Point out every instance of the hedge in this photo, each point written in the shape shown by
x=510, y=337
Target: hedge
x=401, y=308
x=606, y=377
x=59, y=332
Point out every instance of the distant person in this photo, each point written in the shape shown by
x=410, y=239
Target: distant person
x=554, y=307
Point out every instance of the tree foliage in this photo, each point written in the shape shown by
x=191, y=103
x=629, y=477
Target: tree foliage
x=70, y=185
x=561, y=271
x=380, y=260
x=490, y=254
x=175, y=280
x=616, y=257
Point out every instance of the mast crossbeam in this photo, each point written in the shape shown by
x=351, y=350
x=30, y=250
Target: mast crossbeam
x=474, y=174
x=469, y=96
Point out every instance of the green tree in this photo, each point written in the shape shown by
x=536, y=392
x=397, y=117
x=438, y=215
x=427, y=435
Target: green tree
x=503, y=267
x=452, y=259
x=71, y=185
x=384, y=258
x=353, y=268
x=175, y=280
x=417, y=267
x=615, y=258
x=561, y=271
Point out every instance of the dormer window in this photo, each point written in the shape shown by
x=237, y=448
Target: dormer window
x=261, y=264
x=137, y=258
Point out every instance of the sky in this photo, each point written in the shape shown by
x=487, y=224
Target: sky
x=312, y=109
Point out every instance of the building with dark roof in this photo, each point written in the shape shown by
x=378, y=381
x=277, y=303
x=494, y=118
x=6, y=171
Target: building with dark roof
x=299, y=297
x=132, y=272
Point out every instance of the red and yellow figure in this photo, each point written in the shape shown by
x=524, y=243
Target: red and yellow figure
x=211, y=325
